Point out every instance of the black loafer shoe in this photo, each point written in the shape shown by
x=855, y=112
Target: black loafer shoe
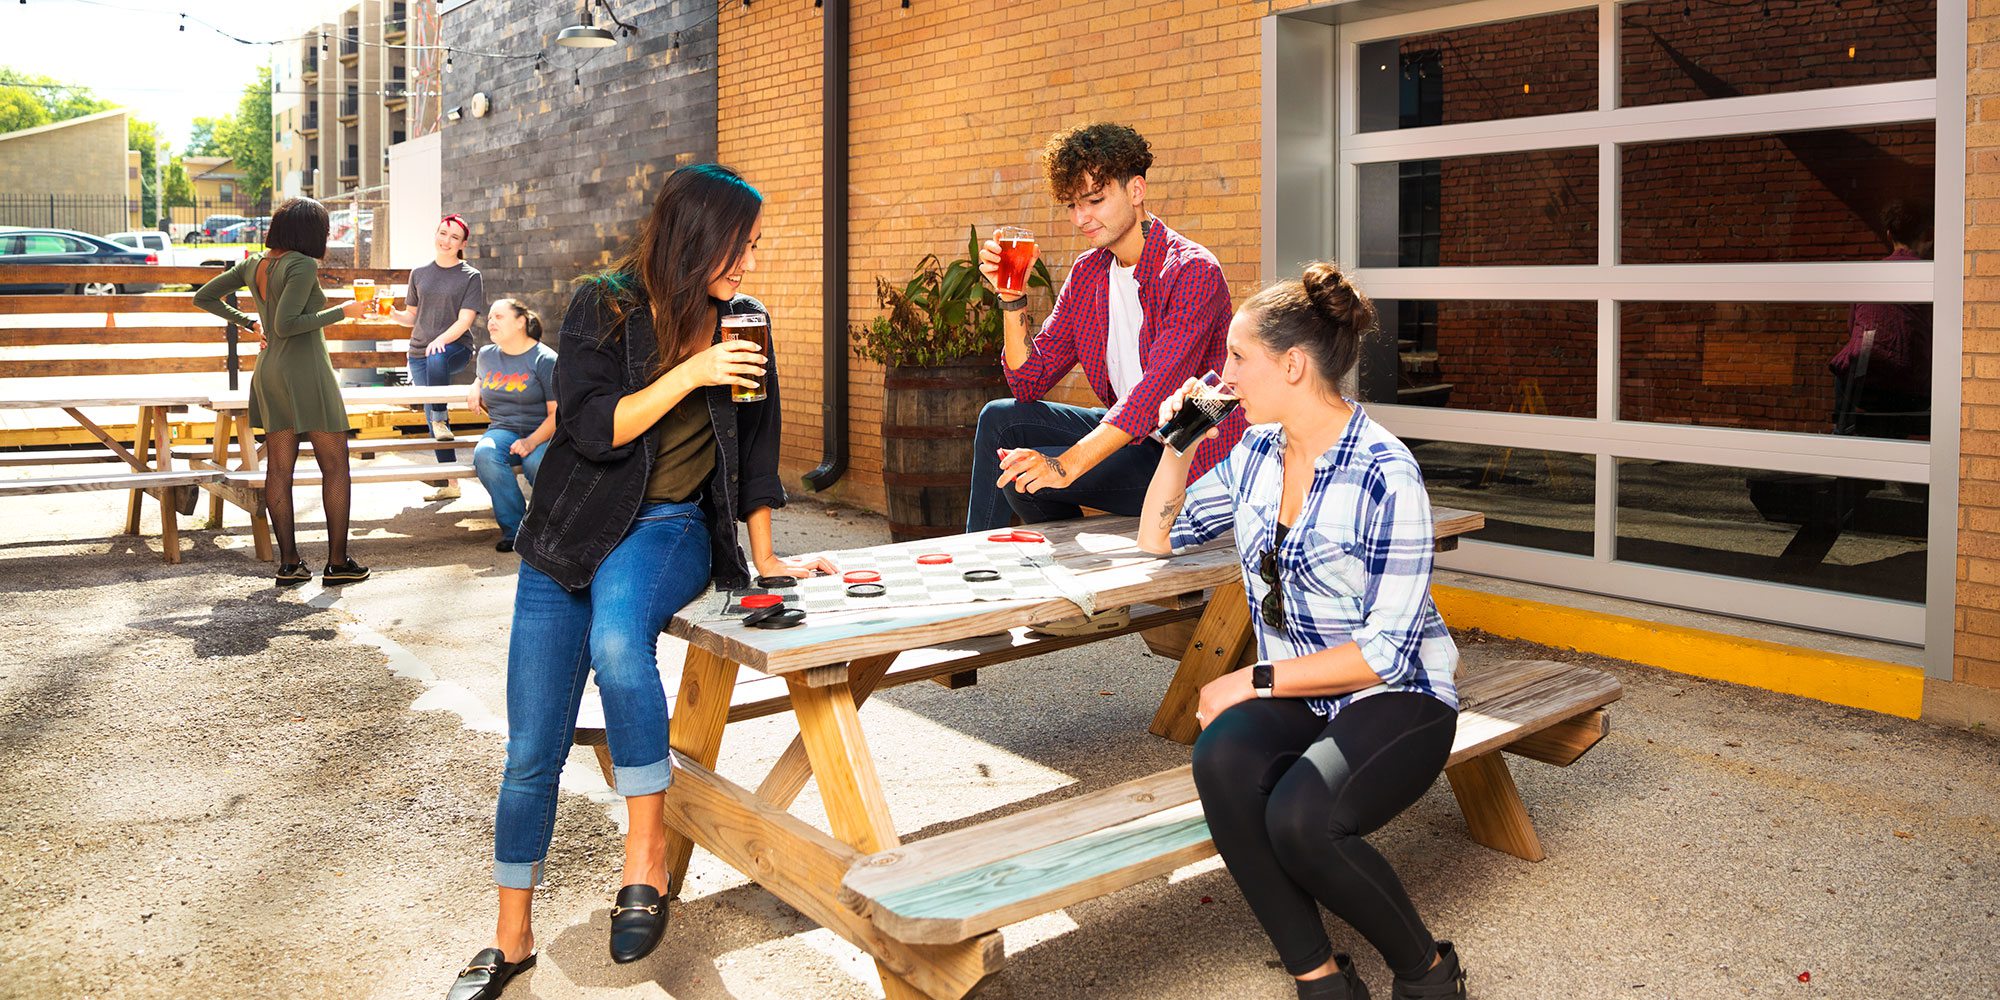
x=638, y=922
x=294, y=574
x=504, y=545
x=486, y=975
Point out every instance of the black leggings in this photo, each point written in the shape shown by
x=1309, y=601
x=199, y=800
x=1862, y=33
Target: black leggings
x=1289, y=795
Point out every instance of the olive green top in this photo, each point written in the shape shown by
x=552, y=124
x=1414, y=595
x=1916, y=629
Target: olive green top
x=293, y=387
x=686, y=453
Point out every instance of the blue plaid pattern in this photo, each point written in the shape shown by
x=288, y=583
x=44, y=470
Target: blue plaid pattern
x=1355, y=567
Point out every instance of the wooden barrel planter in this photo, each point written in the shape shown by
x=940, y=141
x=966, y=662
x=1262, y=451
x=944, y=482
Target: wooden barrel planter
x=928, y=416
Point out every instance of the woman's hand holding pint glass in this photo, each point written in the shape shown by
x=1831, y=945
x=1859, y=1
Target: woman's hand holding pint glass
x=1191, y=414
x=753, y=332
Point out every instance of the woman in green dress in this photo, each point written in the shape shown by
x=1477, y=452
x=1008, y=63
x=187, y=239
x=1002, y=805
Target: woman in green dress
x=293, y=390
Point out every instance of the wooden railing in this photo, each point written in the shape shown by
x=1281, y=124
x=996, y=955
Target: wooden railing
x=74, y=322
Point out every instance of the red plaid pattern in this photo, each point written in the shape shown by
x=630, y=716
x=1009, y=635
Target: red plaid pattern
x=1186, y=306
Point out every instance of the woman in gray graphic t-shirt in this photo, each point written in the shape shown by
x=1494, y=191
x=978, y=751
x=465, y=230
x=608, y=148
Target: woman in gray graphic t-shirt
x=515, y=385
x=445, y=298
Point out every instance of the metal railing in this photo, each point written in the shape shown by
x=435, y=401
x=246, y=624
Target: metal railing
x=350, y=167
x=350, y=105
x=350, y=44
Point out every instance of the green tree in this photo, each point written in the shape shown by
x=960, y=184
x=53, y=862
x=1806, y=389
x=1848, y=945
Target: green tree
x=247, y=138
x=21, y=108
x=144, y=136
x=206, y=137
x=180, y=190
x=62, y=101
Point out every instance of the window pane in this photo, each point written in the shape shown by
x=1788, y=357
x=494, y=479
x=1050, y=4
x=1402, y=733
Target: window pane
x=1808, y=367
x=1793, y=196
x=1538, y=66
x=1516, y=357
x=1509, y=208
x=1854, y=536
x=1532, y=498
x=1673, y=50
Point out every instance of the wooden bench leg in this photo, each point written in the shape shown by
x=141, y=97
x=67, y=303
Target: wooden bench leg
x=219, y=457
x=789, y=775
x=169, y=497
x=604, y=763
x=962, y=679
x=830, y=725
x=1492, y=806
x=1219, y=641
x=142, y=439
x=246, y=450
x=700, y=713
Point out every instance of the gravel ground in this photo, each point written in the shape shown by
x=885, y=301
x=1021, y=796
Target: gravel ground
x=215, y=791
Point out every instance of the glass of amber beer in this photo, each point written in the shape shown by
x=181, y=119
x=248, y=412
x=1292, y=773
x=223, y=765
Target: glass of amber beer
x=364, y=293
x=1017, y=254
x=755, y=328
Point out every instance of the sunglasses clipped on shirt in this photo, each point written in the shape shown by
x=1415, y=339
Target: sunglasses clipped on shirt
x=1273, y=605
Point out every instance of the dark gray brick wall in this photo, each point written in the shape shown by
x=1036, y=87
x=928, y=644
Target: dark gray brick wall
x=555, y=179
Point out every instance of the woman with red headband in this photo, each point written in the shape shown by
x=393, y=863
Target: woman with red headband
x=444, y=301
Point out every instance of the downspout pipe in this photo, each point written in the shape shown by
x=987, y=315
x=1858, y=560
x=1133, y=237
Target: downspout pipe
x=833, y=256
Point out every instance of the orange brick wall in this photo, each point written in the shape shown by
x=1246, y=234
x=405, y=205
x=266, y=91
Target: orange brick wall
x=949, y=105
x=1977, y=659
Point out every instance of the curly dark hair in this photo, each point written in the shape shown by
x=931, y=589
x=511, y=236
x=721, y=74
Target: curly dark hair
x=1080, y=158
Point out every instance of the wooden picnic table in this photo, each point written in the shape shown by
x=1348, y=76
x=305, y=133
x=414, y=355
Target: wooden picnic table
x=831, y=664
x=150, y=458
x=235, y=442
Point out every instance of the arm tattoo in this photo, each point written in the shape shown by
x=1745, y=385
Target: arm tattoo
x=1056, y=464
x=1171, y=510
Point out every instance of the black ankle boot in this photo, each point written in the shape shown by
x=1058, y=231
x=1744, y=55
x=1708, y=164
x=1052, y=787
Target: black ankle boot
x=1444, y=981
x=1344, y=984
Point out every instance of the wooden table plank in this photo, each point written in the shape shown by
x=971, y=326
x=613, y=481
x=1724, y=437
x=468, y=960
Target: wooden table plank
x=367, y=395
x=56, y=401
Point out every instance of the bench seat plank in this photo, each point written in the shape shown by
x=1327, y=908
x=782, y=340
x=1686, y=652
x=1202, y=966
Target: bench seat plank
x=309, y=474
x=109, y=481
x=979, y=878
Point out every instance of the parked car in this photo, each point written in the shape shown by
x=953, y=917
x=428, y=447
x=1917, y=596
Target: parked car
x=64, y=246
x=247, y=231
x=154, y=241
x=342, y=225
x=212, y=227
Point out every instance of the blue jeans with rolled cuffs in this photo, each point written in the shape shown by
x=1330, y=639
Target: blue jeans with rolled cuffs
x=558, y=638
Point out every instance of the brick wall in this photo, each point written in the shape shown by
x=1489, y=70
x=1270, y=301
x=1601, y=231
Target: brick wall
x=555, y=179
x=950, y=103
x=1977, y=617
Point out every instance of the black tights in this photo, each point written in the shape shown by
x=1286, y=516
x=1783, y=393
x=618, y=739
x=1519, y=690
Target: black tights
x=1289, y=796
x=281, y=454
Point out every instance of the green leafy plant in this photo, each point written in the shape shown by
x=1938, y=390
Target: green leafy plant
x=942, y=313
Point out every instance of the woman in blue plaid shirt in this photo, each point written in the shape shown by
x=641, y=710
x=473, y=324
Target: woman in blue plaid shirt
x=1349, y=713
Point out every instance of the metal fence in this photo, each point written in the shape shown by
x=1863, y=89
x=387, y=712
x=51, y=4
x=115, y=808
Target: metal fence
x=199, y=221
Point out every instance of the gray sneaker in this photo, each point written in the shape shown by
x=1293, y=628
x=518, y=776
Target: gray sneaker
x=441, y=429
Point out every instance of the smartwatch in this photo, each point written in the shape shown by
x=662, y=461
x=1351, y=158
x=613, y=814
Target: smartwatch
x=1261, y=680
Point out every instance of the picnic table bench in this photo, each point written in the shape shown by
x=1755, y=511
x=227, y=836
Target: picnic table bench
x=928, y=911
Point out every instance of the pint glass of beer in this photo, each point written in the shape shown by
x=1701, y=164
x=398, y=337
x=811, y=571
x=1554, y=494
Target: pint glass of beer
x=364, y=291
x=1207, y=405
x=1017, y=254
x=755, y=328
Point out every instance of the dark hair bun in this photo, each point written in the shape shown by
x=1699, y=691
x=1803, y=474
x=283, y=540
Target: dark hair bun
x=1335, y=298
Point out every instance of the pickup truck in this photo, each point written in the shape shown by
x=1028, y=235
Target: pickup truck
x=154, y=241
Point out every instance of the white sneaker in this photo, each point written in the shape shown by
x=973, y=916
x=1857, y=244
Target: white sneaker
x=448, y=491
x=441, y=430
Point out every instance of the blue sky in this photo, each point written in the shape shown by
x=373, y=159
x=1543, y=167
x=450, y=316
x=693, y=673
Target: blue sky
x=131, y=52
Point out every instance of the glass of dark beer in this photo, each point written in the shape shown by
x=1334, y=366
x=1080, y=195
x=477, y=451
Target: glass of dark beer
x=754, y=328
x=1206, y=406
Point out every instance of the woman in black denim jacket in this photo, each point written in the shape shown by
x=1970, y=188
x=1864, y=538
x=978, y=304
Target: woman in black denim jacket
x=634, y=512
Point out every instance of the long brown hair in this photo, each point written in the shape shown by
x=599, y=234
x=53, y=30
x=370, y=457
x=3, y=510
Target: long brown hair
x=698, y=228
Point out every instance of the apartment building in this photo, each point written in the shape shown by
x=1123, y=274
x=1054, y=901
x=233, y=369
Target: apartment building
x=347, y=90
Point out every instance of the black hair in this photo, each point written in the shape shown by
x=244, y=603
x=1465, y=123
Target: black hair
x=1320, y=313
x=1907, y=222
x=520, y=309
x=299, y=225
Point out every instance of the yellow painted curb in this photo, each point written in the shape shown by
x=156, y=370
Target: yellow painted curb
x=1889, y=688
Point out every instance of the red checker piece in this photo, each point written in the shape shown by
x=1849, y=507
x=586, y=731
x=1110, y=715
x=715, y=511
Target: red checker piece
x=761, y=600
x=1023, y=535
x=861, y=576
x=934, y=559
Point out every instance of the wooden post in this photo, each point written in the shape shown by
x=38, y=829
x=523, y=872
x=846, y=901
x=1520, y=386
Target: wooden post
x=1219, y=641
x=700, y=713
x=141, y=444
x=848, y=784
x=1494, y=815
x=168, y=496
x=788, y=776
x=246, y=448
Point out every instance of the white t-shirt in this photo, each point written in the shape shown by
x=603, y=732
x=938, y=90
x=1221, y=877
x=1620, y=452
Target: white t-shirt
x=1121, y=346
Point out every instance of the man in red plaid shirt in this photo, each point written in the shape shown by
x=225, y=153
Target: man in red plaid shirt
x=1143, y=310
